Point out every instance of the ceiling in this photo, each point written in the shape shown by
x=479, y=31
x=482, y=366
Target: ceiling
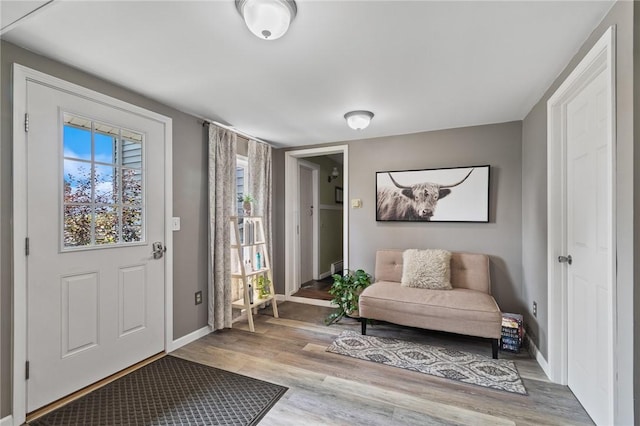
x=12, y=13
x=418, y=65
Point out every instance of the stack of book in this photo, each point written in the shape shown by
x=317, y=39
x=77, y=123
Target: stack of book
x=512, y=331
x=249, y=232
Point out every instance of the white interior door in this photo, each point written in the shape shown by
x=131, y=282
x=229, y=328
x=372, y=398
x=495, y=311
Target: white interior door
x=95, y=206
x=590, y=324
x=306, y=209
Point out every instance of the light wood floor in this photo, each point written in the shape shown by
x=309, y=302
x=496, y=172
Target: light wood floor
x=332, y=389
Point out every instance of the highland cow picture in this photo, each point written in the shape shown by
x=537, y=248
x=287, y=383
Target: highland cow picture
x=459, y=194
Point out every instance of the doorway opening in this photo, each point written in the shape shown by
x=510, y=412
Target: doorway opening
x=317, y=223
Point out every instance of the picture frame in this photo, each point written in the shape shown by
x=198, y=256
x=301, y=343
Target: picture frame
x=452, y=194
x=338, y=195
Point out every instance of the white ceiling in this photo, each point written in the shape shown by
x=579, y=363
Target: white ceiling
x=11, y=13
x=418, y=65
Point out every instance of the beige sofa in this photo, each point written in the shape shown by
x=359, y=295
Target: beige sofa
x=467, y=309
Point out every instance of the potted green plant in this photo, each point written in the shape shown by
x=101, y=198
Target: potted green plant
x=346, y=291
x=261, y=283
x=246, y=199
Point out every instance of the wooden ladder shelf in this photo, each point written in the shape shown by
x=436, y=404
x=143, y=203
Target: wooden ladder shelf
x=247, y=245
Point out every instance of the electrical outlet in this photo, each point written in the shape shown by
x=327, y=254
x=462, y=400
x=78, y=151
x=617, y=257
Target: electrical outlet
x=198, y=297
x=535, y=309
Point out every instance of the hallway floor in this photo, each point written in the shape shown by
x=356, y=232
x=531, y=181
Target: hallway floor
x=316, y=289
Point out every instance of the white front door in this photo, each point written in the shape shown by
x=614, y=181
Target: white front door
x=95, y=206
x=306, y=210
x=590, y=324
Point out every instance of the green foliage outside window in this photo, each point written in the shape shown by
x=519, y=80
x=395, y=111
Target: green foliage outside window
x=114, y=220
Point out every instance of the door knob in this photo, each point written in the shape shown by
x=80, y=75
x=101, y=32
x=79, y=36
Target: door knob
x=158, y=250
x=565, y=259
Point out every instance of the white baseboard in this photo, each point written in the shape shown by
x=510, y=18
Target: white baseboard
x=324, y=275
x=191, y=337
x=6, y=421
x=533, y=350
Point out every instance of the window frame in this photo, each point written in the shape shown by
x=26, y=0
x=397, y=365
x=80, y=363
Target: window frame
x=119, y=205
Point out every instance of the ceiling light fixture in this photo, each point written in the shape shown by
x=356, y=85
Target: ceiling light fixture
x=358, y=120
x=267, y=19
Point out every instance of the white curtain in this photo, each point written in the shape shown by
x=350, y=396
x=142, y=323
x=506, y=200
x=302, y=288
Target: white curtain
x=259, y=158
x=222, y=194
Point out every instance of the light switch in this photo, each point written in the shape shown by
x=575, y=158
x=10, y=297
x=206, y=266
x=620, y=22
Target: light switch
x=356, y=203
x=175, y=224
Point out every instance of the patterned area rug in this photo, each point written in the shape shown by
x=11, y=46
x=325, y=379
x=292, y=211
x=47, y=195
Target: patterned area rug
x=171, y=391
x=441, y=362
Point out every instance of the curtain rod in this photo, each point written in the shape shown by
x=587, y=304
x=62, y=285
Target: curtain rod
x=234, y=130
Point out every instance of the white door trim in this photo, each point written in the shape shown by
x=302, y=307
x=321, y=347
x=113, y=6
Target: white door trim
x=315, y=182
x=601, y=58
x=21, y=75
x=291, y=191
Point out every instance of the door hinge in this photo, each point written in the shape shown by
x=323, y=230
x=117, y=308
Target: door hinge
x=26, y=122
x=26, y=370
x=26, y=246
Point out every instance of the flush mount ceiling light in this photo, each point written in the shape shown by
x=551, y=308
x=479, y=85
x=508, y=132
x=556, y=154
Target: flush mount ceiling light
x=267, y=19
x=358, y=120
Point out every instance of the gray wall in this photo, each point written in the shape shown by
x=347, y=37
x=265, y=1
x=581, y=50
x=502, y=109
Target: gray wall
x=189, y=202
x=498, y=145
x=534, y=164
x=534, y=223
x=278, y=183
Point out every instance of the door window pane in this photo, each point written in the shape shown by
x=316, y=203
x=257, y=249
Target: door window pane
x=131, y=154
x=77, y=226
x=107, y=225
x=105, y=184
x=132, y=186
x=131, y=224
x=77, y=143
x=105, y=148
x=77, y=181
x=103, y=196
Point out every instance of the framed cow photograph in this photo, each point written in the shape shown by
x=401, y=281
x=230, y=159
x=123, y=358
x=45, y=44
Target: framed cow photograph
x=456, y=194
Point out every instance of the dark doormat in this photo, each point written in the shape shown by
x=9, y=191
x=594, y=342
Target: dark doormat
x=171, y=391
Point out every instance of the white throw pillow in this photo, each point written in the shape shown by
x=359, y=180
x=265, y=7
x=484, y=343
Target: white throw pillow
x=427, y=269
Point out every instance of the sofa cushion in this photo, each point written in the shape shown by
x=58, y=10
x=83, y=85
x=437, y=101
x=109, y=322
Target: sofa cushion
x=389, y=265
x=468, y=270
x=426, y=269
x=460, y=310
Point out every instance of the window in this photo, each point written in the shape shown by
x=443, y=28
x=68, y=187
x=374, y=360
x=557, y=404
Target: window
x=242, y=184
x=103, y=199
x=242, y=181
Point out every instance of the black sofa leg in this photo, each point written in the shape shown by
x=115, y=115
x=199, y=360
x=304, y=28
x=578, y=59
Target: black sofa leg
x=363, y=325
x=494, y=348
